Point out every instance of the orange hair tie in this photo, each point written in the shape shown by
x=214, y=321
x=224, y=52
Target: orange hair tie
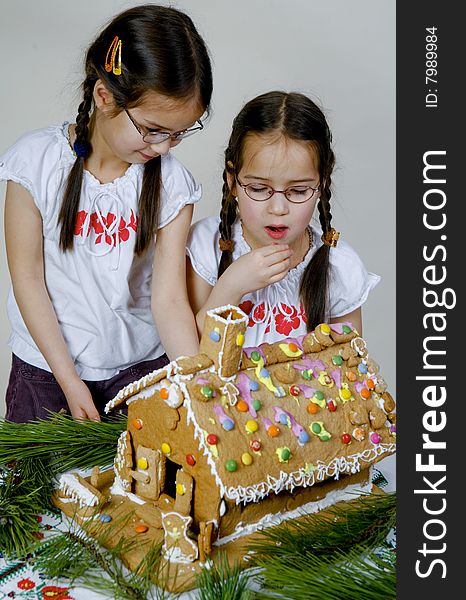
x=111, y=65
x=226, y=245
x=331, y=237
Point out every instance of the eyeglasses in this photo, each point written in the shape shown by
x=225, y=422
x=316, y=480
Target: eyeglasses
x=261, y=192
x=157, y=137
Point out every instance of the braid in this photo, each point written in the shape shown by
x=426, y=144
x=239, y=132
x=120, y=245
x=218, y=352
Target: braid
x=227, y=218
x=314, y=281
x=72, y=195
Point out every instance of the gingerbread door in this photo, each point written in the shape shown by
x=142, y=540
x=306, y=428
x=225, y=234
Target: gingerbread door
x=150, y=474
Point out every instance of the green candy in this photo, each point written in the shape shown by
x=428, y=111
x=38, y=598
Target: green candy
x=306, y=375
x=231, y=465
x=207, y=391
x=286, y=453
x=257, y=404
x=319, y=395
x=316, y=428
x=346, y=329
x=255, y=356
x=337, y=360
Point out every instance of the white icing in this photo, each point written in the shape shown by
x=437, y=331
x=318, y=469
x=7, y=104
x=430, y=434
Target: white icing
x=175, y=555
x=119, y=462
x=223, y=508
x=70, y=485
x=304, y=477
x=118, y=490
x=271, y=520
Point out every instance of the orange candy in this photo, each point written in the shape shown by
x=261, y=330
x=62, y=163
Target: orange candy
x=273, y=431
x=293, y=347
x=370, y=384
x=164, y=393
x=137, y=423
x=351, y=376
x=242, y=406
x=365, y=393
x=141, y=528
x=312, y=408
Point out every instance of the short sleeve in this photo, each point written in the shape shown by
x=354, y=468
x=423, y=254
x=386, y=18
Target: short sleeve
x=350, y=281
x=203, y=249
x=15, y=165
x=179, y=189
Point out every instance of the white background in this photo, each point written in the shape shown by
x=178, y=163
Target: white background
x=340, y=53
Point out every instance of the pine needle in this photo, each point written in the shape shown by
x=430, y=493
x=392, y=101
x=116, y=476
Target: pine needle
x=355, y=575
x=366, y=520
x=223, y=581
x=68, y=443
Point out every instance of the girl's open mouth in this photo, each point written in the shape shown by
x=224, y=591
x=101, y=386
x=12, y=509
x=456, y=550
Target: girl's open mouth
x=276, y=232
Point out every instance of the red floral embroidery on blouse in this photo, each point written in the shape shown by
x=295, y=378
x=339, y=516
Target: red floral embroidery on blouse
x=55, y=592
x=26, y=584
x=103, y=223
x=287, y=319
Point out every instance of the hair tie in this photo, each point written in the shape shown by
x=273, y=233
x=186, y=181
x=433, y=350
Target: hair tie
x=226, y=245
x=331, y=237
x=112, y=65
x=82, y=149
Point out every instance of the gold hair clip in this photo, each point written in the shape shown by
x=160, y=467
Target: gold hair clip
x=331, y=237
x=111, y=65
x=226, y=245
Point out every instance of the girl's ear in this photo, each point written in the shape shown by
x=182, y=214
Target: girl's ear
x=231, y=177
x=103, y=97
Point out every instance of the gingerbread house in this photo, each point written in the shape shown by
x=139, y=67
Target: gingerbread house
x=235, y=438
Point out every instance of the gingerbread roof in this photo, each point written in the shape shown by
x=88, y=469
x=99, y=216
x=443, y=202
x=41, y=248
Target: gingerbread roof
x=279, y=416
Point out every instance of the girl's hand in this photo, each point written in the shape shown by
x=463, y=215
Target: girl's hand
x=80, y=400
x=259, y=268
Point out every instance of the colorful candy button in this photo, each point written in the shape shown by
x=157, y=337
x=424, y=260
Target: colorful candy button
x=164, y=393
x=212, y=439
x=242, y=406
x=284, y=454
x=294, y=390
x=180, y=489
x=137, y=423
x=351, y=376
x=141, y=528
x=346, y=329
x=253, y=385
x=365, y=393
x=370, y=384
x=105, y=518
x=332, y=407
x=307, y=374
x=214, y=336
x=325, y=329
x=362, y=368
x=257, y=404
x=359, y=434
x=190, y=460
x=345, y=438
x=228, y=424
x=375, y=438
x=246, y=459
x=337, y=360
x=231, y=465
x=312, y=408
x=251, y=426
x=256, y=446
x=255, y=356
x=166, y=448
x=142, y=463
x=239, y=339
x=207, y=391
x=273, y=431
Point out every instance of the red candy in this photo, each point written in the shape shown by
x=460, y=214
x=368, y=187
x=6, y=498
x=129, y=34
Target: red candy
x=255, y=445
x=294, y=390
x=331, y=406
x=190, y=460
x=212, y=439
x=346, y=438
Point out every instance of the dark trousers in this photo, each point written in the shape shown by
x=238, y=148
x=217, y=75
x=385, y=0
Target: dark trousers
x=32, y=391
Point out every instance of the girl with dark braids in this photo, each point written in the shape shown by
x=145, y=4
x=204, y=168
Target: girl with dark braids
x=262, y=254
x=97, y=215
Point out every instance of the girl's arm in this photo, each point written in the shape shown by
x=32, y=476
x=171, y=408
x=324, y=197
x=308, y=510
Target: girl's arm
x=354, y=317
x=26, y=265
x=252, y=271
x=170, y=306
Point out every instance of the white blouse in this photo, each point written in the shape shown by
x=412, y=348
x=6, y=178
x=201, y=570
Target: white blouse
x=100, y=290
x=276, y=312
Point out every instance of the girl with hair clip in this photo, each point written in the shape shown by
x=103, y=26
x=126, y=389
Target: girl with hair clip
x=262, y=254
x=97, y=215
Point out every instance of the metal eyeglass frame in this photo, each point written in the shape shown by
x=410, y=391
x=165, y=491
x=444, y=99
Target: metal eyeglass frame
x=284, y=192
x=162, y=136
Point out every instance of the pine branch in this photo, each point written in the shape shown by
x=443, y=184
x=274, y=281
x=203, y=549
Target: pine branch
x=69, y=444
x=25, y=491
x=366, y=520
x=221, y=580
x=356, y=575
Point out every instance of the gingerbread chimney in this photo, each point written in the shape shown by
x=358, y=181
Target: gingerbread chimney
x=223, y=338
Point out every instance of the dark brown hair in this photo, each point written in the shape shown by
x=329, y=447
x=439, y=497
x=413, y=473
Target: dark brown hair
x=295, y=116
x=162, y=52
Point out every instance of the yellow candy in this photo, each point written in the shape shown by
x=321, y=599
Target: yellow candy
x=252, y=426
x=239, y=339
x=345, y=394
x=325, y=328
x=180, y=489
x=166, y=449
x=246, y=459
x=142, y=463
